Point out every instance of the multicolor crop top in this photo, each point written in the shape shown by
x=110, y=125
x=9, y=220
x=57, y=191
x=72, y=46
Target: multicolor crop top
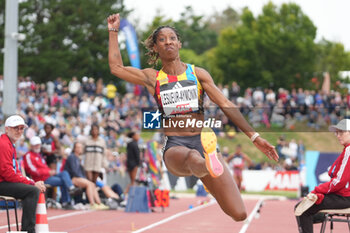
x=179, y=94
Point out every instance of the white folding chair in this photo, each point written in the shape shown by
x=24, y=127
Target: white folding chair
x=340, y=215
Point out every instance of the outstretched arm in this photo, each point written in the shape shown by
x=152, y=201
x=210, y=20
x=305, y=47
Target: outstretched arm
x=233, y=113
x=129, y=74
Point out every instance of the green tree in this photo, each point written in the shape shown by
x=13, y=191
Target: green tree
x=331, y=57
x=189, y=56
x=65, y=38
x=286, y=44
x=237, y=55
x=347, y=62
x=272, y=49
x=209, y=62
x=195, y=32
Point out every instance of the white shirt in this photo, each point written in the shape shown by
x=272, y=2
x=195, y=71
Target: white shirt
x=74, y=87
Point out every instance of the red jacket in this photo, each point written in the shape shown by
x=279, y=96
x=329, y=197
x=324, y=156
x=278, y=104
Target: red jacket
x=35, y=166
x=340, y=176
x=8, y=158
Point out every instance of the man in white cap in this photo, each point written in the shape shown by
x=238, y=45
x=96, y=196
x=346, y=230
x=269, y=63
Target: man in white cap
x=35, y=166
x=334, y=194
x=12, y=182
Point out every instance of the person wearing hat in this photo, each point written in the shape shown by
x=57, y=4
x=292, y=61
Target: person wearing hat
x=12, y=182
x=334, y=194
x=36, y=167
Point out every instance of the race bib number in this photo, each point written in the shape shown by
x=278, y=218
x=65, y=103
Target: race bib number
x=47, y=147
x=237, y=161
x=181, y=98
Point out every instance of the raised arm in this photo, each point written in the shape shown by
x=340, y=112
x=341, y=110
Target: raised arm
x=129, y=74
x=233, y=113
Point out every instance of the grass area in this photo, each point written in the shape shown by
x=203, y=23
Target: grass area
x=318, y=141
x=147, y=135
x=191, y=191
x=288, y=194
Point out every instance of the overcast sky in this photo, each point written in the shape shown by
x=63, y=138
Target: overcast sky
x=331, y=17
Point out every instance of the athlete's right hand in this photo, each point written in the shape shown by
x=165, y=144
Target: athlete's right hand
x=113, y=21
x=265, y=147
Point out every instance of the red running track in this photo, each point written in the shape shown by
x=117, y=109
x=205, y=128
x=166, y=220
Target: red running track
x=275, y=217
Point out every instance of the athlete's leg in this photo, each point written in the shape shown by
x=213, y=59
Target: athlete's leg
x=226, y=193
x=95, y=193
x=86, y=184
x=182, y=161
x=89, y=175
x=132, y=176
x=238, y=180
x=109, y=192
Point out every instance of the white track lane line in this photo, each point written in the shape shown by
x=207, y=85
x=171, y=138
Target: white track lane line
x=52, y=217
x=211, y=202
x=251, y=216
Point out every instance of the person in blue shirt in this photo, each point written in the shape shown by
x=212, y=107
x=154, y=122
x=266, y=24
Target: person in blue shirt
x=76, y=171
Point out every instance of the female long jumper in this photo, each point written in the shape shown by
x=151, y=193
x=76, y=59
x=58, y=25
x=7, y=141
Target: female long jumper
x=184, y=154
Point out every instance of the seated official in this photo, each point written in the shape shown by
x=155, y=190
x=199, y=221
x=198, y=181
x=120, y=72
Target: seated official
x=334, y=194
x=12, y=182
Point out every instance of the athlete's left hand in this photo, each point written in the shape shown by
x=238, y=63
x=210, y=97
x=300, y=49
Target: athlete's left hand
x=265, y=147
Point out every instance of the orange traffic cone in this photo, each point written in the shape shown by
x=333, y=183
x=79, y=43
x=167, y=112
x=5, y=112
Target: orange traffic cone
x=41, y=215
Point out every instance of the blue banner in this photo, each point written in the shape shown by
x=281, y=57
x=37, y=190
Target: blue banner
x=131, y=43
x=317, y=165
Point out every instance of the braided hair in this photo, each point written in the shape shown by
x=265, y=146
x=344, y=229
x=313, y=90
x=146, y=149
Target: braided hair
x=153, y=56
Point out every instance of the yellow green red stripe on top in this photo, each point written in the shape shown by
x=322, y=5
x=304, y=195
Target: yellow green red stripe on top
x=179, y=94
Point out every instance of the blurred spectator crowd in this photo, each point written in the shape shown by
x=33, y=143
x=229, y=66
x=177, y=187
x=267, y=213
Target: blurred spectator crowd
x=284, y=109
